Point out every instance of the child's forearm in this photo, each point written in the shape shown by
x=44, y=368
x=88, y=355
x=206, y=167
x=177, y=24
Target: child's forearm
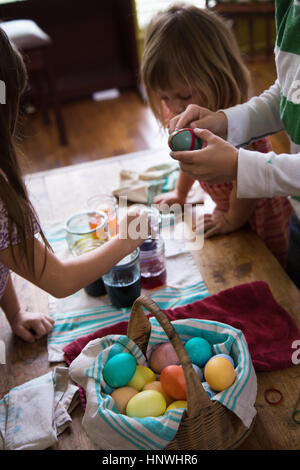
x=85, y=269
x=9, y=301
x=184, y=183
x=63, y=278
x=240, y=210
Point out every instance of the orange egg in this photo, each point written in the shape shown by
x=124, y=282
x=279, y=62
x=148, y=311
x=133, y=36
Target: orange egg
x=173, y=382
x=156, y=385
x=219, y=373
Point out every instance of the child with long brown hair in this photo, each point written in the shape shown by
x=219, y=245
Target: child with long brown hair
x=191, y=57
x=20, y=250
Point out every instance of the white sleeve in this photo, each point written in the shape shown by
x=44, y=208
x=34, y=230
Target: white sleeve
x=257, y=118
x=267, y=174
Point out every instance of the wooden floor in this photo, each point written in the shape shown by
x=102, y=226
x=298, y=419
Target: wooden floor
x=112, y=127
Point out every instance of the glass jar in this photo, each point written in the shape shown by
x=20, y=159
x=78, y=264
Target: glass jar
x=122, y=282
x=153, y=263
x=106, y=203
x=86, y=231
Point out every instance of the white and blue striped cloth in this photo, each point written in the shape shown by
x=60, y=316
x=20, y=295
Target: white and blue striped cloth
x=114, y=431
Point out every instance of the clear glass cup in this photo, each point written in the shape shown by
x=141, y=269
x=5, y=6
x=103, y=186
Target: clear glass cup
x=154, y=218
x=86, y=231
x=122, y=282
x=106, y=203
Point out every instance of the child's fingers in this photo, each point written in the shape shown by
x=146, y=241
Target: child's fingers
x=193, y=156
x=49, y=319
x=39, y=327
x=48, y=325
x=212, y=231
x=192, y=113
x=25, y=334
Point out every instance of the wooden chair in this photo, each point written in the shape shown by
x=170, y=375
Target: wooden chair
x=35, y=46
x=249, y=11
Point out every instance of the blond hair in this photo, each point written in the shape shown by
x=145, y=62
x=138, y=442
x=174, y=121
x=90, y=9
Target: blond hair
x=195, y=47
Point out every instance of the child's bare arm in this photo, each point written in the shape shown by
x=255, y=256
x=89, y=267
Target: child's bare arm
x=28, y=326
x=240, y=210
x=238, y=214
x=62, y=278
x=179, y=195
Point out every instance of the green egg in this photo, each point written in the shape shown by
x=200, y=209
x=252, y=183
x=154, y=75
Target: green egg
x=119, y=370
x=184, y=139
x=199, y=351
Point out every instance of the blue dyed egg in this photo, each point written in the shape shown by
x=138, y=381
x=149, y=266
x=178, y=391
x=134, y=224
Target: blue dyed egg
x=199, y=351
x=184, y=139
x=198, y=371
x=119, y=370
x=208, y=390
x=226, y=356
x=116, y=348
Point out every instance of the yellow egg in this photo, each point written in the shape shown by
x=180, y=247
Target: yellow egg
x=146, y=403
x=122, y=396
x=177, y=404
x=219, y=373
x=156, y=385
x=142, y=376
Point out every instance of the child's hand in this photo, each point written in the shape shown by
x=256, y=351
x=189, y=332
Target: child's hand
x=195, y=116
x=31, y=326
x=135, y=227
x=172, y=197
x=216, y=163
x=219, y=222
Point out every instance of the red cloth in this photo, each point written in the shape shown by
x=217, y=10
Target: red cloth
x=251, y=308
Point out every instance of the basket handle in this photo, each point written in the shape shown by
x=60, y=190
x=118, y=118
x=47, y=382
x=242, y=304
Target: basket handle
x=139, y=330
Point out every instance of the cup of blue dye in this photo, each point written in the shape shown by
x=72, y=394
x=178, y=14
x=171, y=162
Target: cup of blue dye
x=123, y=281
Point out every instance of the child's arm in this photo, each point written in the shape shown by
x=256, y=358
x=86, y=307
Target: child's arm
x=179, y=195
x=240, y=124
x=29, y=326
x=221, y=222
x=63, y=278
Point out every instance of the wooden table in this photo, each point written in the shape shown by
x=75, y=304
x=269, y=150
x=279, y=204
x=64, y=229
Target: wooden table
x=224, y=261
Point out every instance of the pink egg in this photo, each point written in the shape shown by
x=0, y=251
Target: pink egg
x=163, y=355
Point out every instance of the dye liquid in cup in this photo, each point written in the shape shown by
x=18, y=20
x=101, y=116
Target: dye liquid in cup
x=122, y=282
x=153, y=263
x=108, y=204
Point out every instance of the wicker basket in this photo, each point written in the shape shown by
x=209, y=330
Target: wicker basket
x=206, y=424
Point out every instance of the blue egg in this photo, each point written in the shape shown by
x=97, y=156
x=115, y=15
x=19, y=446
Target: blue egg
x=199, y=351
x=226, y=356
x=184, y=139
x=119, y=370
x=116, y=348
x=198, y=371
x=208, y=390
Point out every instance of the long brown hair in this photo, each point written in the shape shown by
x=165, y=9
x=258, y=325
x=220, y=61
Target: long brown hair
x=13, y=193
x=195, y=47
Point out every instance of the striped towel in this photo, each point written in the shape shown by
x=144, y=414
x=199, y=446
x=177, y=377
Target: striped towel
x=144, y=186
x=114, y=431
x=79, y=314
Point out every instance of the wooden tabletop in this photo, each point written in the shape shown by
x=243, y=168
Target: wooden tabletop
x=224, y=261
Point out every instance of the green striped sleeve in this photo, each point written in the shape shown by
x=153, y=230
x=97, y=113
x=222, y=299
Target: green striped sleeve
x=290, y=116
x=288, y=25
